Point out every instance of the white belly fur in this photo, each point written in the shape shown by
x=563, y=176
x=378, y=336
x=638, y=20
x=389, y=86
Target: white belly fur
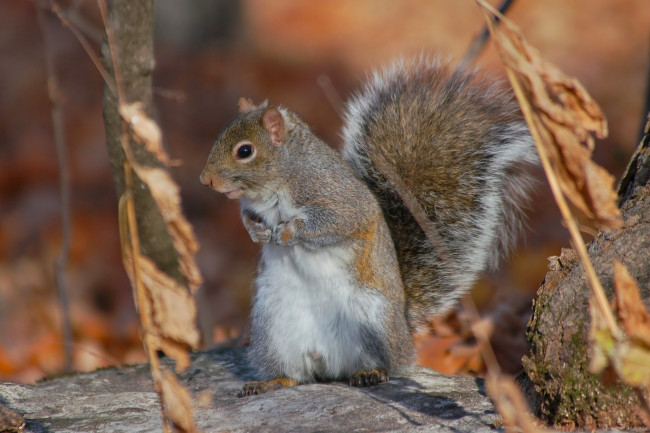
x=314, y=313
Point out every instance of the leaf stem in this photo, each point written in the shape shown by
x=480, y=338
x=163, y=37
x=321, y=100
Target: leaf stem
x=569, y=219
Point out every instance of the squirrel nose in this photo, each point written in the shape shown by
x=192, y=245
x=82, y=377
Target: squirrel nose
x=206, y=179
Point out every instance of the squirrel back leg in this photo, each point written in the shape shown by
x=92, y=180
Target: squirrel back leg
x=369, y=377
x=255, y=387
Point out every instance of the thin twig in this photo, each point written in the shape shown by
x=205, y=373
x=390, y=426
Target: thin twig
x=76, y=17
x=487, y=353
x=118, y=88
x=85, y=44
x=482, y=38
x=64, y=187
x=333, y=97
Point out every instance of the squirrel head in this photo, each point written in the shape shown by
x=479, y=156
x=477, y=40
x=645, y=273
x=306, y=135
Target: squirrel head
x=243, y=160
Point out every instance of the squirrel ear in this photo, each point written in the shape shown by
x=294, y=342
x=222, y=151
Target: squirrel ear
x=273, y=122
x=245, y=105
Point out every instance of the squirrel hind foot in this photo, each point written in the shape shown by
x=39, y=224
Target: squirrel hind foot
x=256, y=387
x=369, y=377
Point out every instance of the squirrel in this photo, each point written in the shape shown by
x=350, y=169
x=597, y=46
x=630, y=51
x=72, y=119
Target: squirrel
x=346, y=273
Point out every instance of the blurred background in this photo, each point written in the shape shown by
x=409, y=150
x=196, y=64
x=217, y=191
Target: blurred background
x=308, y=56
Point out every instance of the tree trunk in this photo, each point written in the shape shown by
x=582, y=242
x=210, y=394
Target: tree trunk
x=132, y=26
x=566, y=393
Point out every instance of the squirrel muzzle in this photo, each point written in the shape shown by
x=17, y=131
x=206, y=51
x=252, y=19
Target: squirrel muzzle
x=219, y=185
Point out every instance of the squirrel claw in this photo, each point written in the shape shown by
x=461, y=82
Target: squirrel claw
x=256, y=387
x=369, y=377
x=251, y=388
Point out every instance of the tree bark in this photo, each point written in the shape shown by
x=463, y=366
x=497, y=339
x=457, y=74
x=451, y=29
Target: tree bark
x=566, y=392
x=132, y=28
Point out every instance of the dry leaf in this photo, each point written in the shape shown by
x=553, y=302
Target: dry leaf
x=628, y=354
x=511, y=405
x=177, y=402
x=176, y=351
x=601, y=340
x=564, y=115
x=166, y=194
x=633, y=360
x=146, y=131
x=164, y=190
x=630, y=309
x=172, y=309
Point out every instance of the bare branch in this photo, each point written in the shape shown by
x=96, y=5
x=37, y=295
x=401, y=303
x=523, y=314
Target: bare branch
x=64, y=187
x=482, y=38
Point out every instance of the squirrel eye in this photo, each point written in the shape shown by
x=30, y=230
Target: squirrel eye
x=244, y=151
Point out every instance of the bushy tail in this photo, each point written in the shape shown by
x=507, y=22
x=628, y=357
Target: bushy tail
x=458, y=144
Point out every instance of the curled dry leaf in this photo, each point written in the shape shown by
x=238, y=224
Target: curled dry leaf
x=164, y=190
x=177, y=402
x=511, y=405
x=628, y=354
x=630, y=310
x=564, y=116
x=166, y=194
x=145, y=131
x=171, y=308
x=601, y=340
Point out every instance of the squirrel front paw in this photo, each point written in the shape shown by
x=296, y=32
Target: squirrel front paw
x=258, y=231
x=285, y=233
x=369, y=377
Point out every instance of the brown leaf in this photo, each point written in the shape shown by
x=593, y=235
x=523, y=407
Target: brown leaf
x=172, y=307
x=564, y=116
x=164, y=190
x=177, y=402
x=145, y=130
x=601, y=340
x=173, y=349
x=510, y=404
x=633, y=316
x=166, y=194
x=629, y=352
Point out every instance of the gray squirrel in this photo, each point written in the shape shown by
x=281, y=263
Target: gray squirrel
x=346, y=273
